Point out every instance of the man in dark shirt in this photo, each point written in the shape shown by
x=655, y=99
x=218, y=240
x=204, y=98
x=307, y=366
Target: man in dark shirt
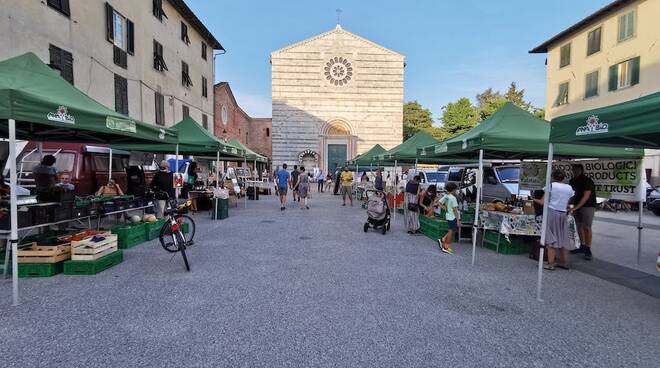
x=584, y=208
x=294, y=180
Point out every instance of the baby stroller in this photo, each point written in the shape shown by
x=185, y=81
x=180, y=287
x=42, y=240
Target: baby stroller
x=377, y=211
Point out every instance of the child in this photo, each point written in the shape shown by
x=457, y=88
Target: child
x=450, y=204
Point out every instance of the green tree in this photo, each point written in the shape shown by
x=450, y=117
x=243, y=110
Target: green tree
x=459, y=116
x=437, y=133
x=415, y=118
x=490, y=101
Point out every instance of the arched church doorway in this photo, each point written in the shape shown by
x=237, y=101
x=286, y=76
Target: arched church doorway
x=337, y=144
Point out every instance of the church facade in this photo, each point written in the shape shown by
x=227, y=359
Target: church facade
x=335, y=95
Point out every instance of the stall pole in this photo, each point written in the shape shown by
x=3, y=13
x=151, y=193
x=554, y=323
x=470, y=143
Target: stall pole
x=642, y=196
x=176, y=172
x=396, y=188
x=245, y=164
x=546, y=200
x=415, y=167
x=13, y=211
x=357, y=178
x=110, y=166
x=40, y=149
x=475, y=225
x=217, y=182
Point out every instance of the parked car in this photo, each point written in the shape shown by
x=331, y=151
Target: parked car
x=499, y=182
x=88, y=165
x=429, y=177
x=653, y=201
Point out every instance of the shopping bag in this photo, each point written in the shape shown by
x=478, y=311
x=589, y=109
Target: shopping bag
x=573, y=235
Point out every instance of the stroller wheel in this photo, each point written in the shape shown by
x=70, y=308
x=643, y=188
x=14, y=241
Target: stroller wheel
x=388, y=226
x=366, y=227
x=383, y=230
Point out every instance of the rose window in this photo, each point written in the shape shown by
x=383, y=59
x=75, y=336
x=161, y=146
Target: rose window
x=338, y=71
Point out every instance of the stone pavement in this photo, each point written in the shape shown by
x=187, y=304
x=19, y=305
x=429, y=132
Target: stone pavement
x=311, y=289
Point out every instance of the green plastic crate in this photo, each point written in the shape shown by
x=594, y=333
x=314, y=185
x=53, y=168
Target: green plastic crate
x=516, y=245
x=93, y=267
x=130, y=235
x=152, y=229
x=40, y=269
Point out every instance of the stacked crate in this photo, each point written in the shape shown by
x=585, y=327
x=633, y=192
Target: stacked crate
x=42, y=260
x=93, y=255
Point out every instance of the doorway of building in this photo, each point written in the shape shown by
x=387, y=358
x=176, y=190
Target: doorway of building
x=336, y=156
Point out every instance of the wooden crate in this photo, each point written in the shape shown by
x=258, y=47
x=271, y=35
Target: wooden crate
x=44, y=253
x=88, y=250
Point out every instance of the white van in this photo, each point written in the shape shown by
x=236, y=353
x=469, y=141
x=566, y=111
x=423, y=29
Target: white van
x=430, y=177
x=499, y=182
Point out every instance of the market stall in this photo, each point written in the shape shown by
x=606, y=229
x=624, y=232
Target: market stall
x=405, y=153
x=511, y=133
x=37, y=104
x=634, y=123
x=192, y=139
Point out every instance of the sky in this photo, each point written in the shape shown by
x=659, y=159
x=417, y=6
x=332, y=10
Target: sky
x=453, y=49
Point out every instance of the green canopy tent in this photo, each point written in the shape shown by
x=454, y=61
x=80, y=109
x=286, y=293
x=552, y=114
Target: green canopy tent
x=37, y=104
x=367, y=157
x=634, y=123
x=511, y=133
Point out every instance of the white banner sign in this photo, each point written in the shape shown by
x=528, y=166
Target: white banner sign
x=617, y=179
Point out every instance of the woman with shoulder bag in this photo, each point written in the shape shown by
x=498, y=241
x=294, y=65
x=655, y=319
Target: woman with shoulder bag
x=412, y=198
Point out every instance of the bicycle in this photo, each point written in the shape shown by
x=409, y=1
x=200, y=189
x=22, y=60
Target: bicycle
x=172, y=236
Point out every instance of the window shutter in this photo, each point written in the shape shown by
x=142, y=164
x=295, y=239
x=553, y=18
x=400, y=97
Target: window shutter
x=67, y=66
x=159, y=103
x=55, y=57
x=109, y=24
x=121, y=94
x=130, y=35
x=634, y=78
x=613, y=78
x=65, y=7
x=119, y=57
x=205, y=121
x=185, y=111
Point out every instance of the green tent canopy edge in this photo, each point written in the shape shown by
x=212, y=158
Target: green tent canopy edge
x=634, y=123
x=48, y=108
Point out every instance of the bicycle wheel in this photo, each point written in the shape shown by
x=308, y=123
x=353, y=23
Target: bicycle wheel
x=181, y=242
x=185, y=219
x=167, y=239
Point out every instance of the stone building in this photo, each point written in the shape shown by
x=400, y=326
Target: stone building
x=151, y=60
x=231, y=122
x=335, y=95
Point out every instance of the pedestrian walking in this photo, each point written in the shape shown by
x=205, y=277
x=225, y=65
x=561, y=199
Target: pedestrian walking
x=337, y=180
x=319, y=181
x=302, y=186
x=450, y=205
x=378, y=182
x=282, y=182
x=584, y=208
x=556, y=229
x=329, y=183
x=346, y=185
x=294, y=180
x=412, y=198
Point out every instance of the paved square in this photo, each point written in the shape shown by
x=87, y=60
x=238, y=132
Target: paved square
x=310, y=288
